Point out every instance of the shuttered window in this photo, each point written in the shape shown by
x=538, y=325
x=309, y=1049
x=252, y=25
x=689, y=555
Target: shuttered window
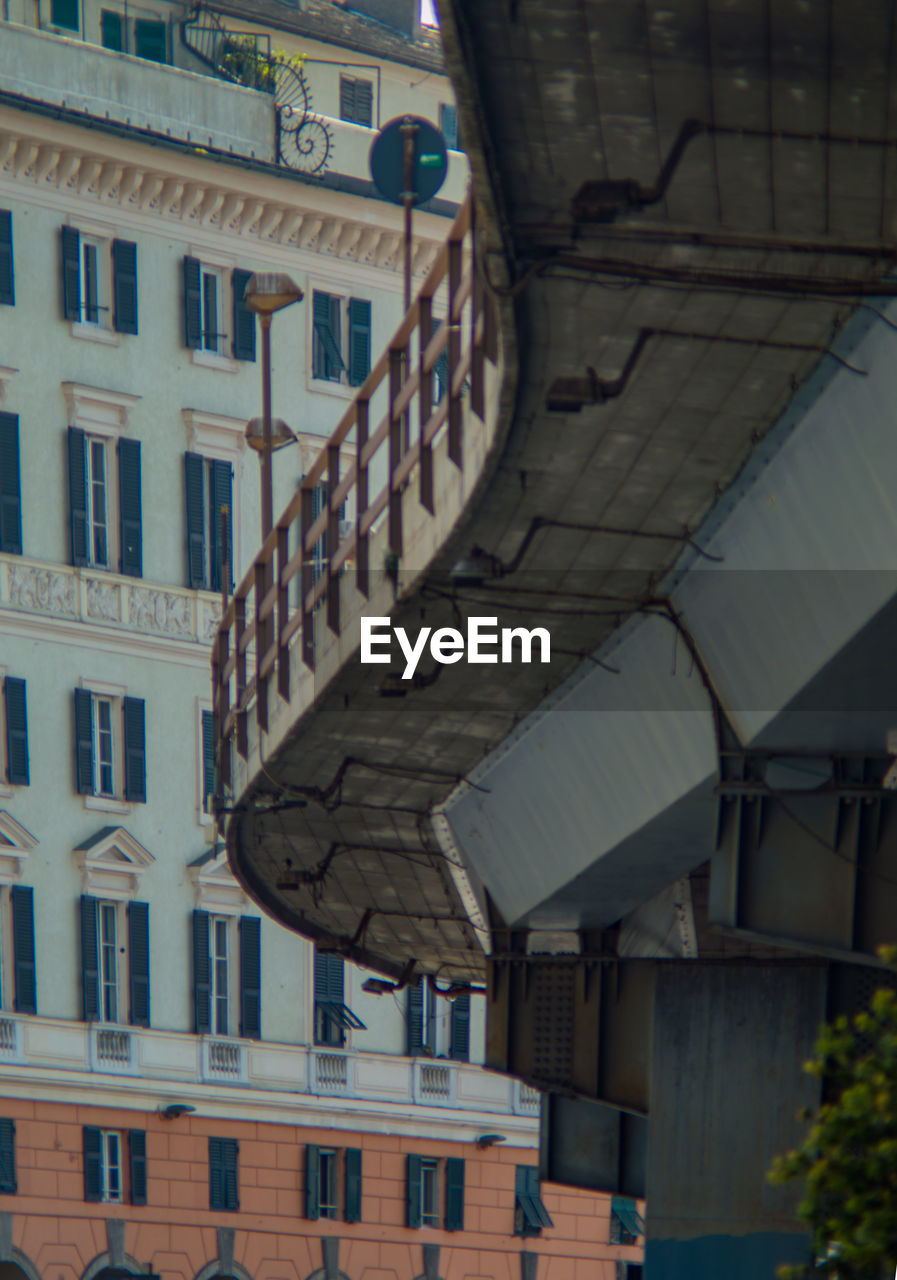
x=459, y=1034
x=208, y=489
x=413, y=1169
x=421, y=1018
x=16, y=716
x=107, y=757
x=7, y=271
x=626, y=1223
x=192, y=302
x=8, y=1184
x=139, y=964
x=92, y=1142
x=91, y=502
x=64, y=13
x=202, y=974
x=530, y=1214
x=312, y=1181
x=130, y=511
x=137, y=1162
x=90, y=959
x=250, y=978
x=103, y=1151
x=359, y=340
x=10, y=485
x=223, y=1173
x=327, y=357
x=243, y=342
x=112, y=34
x=454, y=1194
x=333, y=1017
x=356, y=100
x=134, y=717
x=124, y=286
x=208, y=761
x=21, y=898
x=353, y=1184
x=151, y=40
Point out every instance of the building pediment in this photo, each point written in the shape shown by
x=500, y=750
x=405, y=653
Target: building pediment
x=16, y=842
x=215, y=885
x=112, y=862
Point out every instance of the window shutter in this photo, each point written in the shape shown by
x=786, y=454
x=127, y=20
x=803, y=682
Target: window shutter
x=223, y=1180
x=460, y=1029
x=346, y=98
x=138, y=964
x=71, y=274
x=22, y=901
x=312, y=1182
x=64, y=13
x=134, y=717
x=90, y=959
x=359, y=340
x=364, y=99
x=216, y=1174
x=327, y=358
x=194, y=470
x=202, y=975
x=150, y=40
x=448, y=124
x=16, y=732
x=231, y=1180
x=192, y=303
x=221, y=490
x=440, y=368
x=353, y=1184
x=454, y=1194
x=415, y=1018
x=8, y=1185
x=78, y=495
x=10, y=483
x=244, y=319
x=124, y=286
x=250, y=978
x=7, y=274
x=130, y=515
x=208, y=758
x=414, y=1190
x=111, y=31
x=83, y=743
x=93, y=1163
x=137, y=1158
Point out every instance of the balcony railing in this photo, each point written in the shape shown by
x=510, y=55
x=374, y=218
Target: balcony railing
x=388, y=458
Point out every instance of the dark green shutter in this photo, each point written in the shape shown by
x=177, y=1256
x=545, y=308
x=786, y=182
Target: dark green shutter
x=208, y=758
x=137, y=1159
x=111, y=31
x=221, y=494
x=90, y=959
x=8, y=1185
x=440, y=368
x=71, y=274
x=134, y=718
x=347, y=98
x=93, y=1163
x=83, y=743
x=130, y=512
x=359, y=340
x=150, y=40
x=10, y=485
x=460, y=1029
x=216, y=1174
x=16, y=732
x=7, y=272
x=138, y=964
x=327, y=359
x=454, y=1194
x=223, y=1177
x=415, y=1018
x=243, y=344
x=78, y=495
x=353, y=1184
x=202, y=974
x=312, y=1182
x=192, y=303
x=250, y=978
x=64, y=13
x=414, y=1190
x=124, y=286
x=194, y=470
x=22, y=900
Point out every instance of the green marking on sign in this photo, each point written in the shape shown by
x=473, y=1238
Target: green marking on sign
x=430, y=161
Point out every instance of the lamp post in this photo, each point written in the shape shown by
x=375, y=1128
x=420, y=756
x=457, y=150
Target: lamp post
x=265, y=293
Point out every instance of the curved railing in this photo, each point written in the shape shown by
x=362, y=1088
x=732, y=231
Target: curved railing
x=253, y=644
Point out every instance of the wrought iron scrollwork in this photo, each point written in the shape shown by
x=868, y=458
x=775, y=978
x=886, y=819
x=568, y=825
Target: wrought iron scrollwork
x=304, y=139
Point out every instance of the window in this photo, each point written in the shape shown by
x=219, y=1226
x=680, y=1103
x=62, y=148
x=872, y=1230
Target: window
x=205, y=290
x=626, y=1224
x=448, y=125
x=224, y=1186
x=112, y=31
x=10, y=485
x=425, y=1178
x=421, y=1018
x=530, y=1214
x=99, y=281
x=223, y=993
x=110, y=746
x=64, y=13
x=99, y=539
x=114, y=1165
x=332, y=1183
x=17, y=972
x=207, y=762
x=209, y=489
x=356, y=97
x=150, y=40
x=333, y=1017
x=7, y=276
x=15, y=715
x=115, y=961
x=459, y=1029
x=8, y=1184
x=341, y=329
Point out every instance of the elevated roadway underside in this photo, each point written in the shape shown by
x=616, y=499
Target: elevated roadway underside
x=667, y=292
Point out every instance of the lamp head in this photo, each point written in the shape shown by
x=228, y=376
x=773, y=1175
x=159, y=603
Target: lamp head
x=175, y=1109
x=281, y=434
x=270, y=291
x=490, y=1139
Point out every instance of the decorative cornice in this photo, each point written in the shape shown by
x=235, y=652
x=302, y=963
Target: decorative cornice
x=16, y=842
x=293, y=219
x=112, y=863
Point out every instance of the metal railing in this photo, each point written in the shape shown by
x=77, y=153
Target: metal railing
x=253, y=645
x=113, y=1046
x=331, y=1072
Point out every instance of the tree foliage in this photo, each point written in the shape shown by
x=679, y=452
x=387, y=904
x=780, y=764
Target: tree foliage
x=849, y=1157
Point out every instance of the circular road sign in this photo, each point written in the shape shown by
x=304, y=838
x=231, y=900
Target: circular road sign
x=387, y=160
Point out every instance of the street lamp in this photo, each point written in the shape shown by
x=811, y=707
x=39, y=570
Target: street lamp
x=265, y=293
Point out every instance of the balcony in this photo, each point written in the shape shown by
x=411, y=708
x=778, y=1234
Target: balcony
x=46, y=1049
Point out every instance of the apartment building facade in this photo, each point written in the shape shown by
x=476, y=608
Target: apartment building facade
x=187, y=1089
